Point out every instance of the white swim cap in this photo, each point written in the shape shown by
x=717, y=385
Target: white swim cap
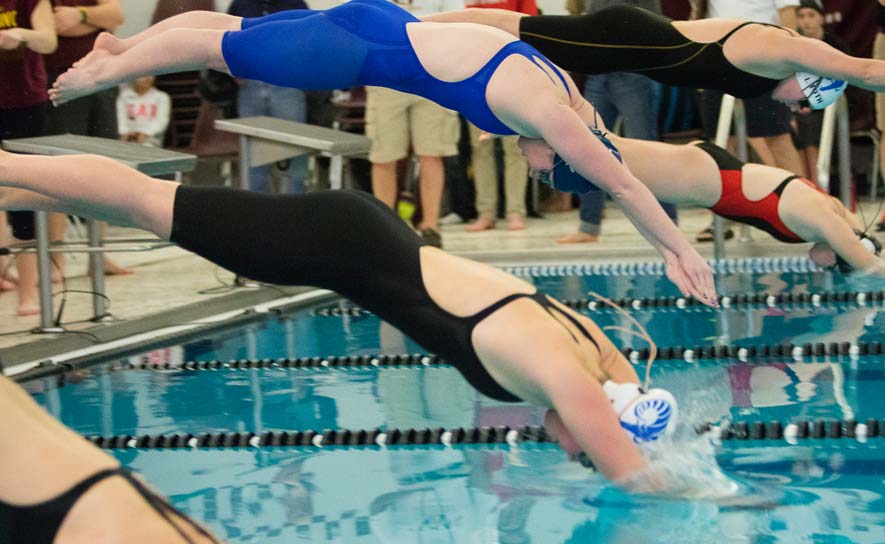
x=645, y=416
x=820, y=91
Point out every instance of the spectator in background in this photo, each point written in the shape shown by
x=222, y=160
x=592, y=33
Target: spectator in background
x=768, y=121
x=396, y=120
x=632, y=97
x=483, y=155
x=810, y=16
x=143, y=112
x=78, y=23
x=259, y=98
x=26, y=33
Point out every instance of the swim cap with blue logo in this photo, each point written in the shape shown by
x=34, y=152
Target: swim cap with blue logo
x=646, y=417
x=820, y=91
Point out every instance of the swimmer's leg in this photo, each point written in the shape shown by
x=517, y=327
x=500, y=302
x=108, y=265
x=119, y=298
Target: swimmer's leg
x=203, y=20
x=91, y=186
x=175, y=50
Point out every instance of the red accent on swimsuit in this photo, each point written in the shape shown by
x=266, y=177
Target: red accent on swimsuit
x=762, y=213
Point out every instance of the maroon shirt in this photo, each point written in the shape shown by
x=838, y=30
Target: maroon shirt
x=22, y=73
x=70, y=50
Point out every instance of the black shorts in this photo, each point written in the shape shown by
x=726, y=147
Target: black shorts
x=22, y=123
x=765, y=117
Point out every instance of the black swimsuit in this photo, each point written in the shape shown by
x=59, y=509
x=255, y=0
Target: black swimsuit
x=345, y=241
x=40, y=523
x=631, y=39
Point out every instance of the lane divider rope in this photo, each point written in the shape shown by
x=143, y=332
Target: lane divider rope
x=861, y=298
x=760, y=265
x=691, y=354
x=792, y=433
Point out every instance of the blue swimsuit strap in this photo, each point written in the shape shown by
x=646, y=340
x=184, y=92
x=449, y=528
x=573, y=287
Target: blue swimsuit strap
x=516, y=47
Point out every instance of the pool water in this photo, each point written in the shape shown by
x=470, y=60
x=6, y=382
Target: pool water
x=817, y=491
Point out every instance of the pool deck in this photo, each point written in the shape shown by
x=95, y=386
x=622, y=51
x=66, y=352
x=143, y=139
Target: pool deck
x=173, y=287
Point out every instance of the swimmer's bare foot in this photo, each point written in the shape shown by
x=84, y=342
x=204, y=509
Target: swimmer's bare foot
x=88, y=76
x=110, y=43
x=516, y=221
x=6, y=285
x=113, y=269
x=481, y=224
x=577, y=238
x=27, y=306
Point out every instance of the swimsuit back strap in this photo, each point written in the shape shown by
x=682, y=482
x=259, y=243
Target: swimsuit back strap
x=161, y=506
x=482, y=314
x=551, y=307
x=723, y=39
x=783, y=185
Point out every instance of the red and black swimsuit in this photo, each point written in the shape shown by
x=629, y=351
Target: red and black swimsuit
x=761, y=214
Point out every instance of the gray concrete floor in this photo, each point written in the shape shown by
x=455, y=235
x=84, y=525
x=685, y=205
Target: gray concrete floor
x=170, y=278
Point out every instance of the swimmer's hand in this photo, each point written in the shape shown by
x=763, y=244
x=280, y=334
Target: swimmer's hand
x=692, y=275
x=661, y=479
x=877, y=268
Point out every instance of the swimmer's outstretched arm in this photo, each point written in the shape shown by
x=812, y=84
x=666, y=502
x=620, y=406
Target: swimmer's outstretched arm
x=562, y=128
x=582, y=419
x=798, y=54
x=506, y=20
x=818, y=224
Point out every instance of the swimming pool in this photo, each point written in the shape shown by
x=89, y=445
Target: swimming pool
x=797, y=365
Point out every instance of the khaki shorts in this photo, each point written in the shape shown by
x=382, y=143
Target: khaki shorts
x=392, y=117
x=879, y=54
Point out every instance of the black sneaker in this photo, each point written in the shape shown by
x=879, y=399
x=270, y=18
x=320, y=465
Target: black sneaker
x=880, y=226
x=431, y=237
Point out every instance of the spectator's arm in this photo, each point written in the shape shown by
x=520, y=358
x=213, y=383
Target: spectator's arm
x=107, y=15
x=787, y=17
x=575, y=7
x=699, y=10
x=40, y=38
x=530, y=7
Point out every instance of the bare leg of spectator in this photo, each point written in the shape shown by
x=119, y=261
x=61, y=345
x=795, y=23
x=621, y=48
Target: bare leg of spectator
x=111, y=268
x=485, y=180
x=26, y=264
x=58, y=223
x=7, y=279
x=784, y=152
x=384, y=182
x=432, y=185
x=515, y=183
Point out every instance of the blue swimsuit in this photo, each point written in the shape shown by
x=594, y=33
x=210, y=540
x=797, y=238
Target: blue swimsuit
x=362, y=42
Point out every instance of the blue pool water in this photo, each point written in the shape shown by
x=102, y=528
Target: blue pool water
x=817, y=491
